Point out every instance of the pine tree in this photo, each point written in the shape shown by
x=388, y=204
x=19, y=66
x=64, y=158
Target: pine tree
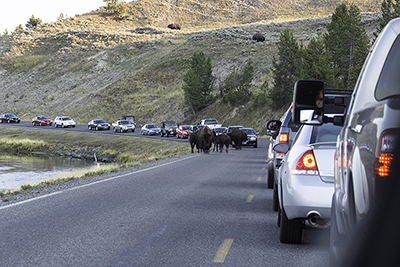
x=390, y=10
x=33, y=22
x=285, y=69
x=347, y=43
x=197, y=82
x=237, y=86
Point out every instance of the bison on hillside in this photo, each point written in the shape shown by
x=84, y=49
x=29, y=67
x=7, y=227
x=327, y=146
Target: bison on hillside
x=202, y=138
x=258, y=37
x=237, y=137
x=174, y=26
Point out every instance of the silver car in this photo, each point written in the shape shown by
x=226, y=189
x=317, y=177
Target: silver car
x=64, y=121
x=151, y=129
x=306, y=180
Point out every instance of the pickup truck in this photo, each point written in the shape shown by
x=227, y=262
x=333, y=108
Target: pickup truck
x=210, y=123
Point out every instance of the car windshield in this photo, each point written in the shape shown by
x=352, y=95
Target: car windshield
x=219, y=130
x=185, y=128
x=43, y=118
x=325, y=133
x=125, y=122
x=170, y=124
x=151, y=126
x=248, y=131
x=100, y=121
x=210, y=121
x=66, y=119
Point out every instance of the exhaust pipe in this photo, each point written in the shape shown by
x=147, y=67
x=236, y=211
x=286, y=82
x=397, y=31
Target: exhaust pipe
x=314, y=219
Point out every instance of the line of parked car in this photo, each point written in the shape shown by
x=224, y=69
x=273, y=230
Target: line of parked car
x=330, y=163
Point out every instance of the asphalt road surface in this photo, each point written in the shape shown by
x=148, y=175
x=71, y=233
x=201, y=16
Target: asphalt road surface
x=199, y=210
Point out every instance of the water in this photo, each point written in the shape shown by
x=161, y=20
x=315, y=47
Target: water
x=21, y=170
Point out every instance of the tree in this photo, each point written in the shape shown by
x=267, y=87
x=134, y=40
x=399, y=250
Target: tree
x=390, y=10
x=237, y=86
x=19, y=28
x=118, y=7
x=285, y=69
x=197, y=82
x=348, y=44
x=33, y=22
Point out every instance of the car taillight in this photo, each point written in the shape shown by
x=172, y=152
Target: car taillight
x=384, y=159
x=283, y=138
x=306, y=164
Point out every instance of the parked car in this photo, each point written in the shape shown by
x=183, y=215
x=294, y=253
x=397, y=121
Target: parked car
x=194, y=128
x=219, y=130
x=210, y=123
x=64, y=121
x=281, y=131
x=365, y=146
x=98, y=124
x=150, y=129
x=182, y=131
x=168, y=128
x=306, y=180
x=42, y=121
x=130, y=118
x=251, y=137
x=123, y=126
x=230, y=128
x=8, y=117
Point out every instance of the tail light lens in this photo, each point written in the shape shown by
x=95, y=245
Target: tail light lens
x=384, y=159
x=306, y=164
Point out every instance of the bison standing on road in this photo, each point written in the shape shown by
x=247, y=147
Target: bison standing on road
x=237, y=137
x=202, y=138
x=224, y=140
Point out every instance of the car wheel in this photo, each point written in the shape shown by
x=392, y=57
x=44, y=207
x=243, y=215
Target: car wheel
x=275, y=198
x=97, y=128
x=255, y=146
x=90, y=128
x=62, y=125
x=1, y=121
x=334, y=237
x=270, y=174
x=114, y=129
x=33, y=123
x=40, y=124
x=8, y=121
x=55, y=125
x=291, y=231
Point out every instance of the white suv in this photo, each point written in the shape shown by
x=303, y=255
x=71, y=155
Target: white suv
x=64, y=121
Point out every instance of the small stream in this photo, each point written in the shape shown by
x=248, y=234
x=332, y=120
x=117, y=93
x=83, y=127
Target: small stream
x=16, y=171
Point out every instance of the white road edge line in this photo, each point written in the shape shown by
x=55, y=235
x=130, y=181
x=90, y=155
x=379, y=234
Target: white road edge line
x=97, y=182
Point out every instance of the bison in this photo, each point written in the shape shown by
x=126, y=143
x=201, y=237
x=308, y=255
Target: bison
x=223, y=140
x=258, y=37
x=237, y=137
x=174, y=26
x=202, y=138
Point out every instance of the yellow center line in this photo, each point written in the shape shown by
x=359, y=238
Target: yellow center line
x=263, y=169
x=250, y=198
x=223, y=250
x=258, y=179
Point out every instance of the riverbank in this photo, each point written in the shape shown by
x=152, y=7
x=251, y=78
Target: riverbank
x=123, y=151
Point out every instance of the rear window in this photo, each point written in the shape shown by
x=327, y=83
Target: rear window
x=389, y=80
x=325, y=133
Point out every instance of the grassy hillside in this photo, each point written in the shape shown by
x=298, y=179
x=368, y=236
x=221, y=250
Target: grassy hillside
x=97, y=66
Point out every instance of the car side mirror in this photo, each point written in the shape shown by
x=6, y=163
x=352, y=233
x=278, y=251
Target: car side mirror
x=281, y=147
x=308, y=102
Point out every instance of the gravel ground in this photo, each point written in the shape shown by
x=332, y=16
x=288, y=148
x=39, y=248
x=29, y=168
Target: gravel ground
x=33, y=193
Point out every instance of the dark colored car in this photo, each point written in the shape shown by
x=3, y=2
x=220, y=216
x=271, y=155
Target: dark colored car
x=251, y=137
x=8, y=117
x=98, y=124
x=168, y=128
x=42, y=121
x=367, y=142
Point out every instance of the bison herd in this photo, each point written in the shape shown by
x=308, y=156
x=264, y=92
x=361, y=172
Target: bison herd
x=204, y=138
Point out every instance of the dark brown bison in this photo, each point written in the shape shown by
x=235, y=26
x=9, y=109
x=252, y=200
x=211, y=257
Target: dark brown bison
x=174, y=26
x=237, y=137
x=223, y=140
x=202, y=138
x=258, y=37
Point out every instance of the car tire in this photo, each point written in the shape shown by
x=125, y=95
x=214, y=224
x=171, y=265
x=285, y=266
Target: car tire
x=291, y=231
x=55, y=125
x=114, y=129
x=40, y=124
x=270, y=174
x=97, y=128
x=275, y=198
x=8, y=121
x=333, y=240
x=255, y=146
x=90, y=128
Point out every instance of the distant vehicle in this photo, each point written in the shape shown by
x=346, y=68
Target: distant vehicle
x=8, y=117
x=306, y=180
x=123, y=126
x=150, y=129
x=182, y=131
x=194, y=128
x=219, y=130
x=130, y=118
x=251, y=137
x=98, y=124
x=168, y=128
x=42, y=121
x=230, y=128
x=210, y=123
x=64, y=121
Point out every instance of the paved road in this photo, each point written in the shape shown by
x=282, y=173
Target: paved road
x=189, y=212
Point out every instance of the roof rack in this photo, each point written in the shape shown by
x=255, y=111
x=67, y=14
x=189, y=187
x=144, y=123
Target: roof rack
x=336, y=91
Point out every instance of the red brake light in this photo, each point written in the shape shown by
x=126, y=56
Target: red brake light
x=307, y=162
x=283, y=138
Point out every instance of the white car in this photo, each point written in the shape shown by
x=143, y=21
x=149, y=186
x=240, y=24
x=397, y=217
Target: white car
x=151, y=129
x=306, y=180
x=63, y=122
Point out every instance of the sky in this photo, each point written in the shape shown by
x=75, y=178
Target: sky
x=13, y=13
